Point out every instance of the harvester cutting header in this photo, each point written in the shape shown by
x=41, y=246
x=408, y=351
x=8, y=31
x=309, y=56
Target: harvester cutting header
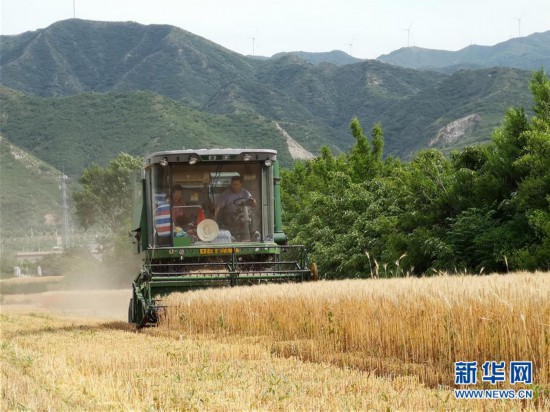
x=209, y=218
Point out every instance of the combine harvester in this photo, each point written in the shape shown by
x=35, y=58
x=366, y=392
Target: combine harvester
x=209, y=218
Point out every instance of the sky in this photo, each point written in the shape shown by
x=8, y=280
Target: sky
x=362, y=28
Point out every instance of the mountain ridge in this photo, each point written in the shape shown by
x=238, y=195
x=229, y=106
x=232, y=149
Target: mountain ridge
x=314, y=103
x=336, y=57
x=526, y=53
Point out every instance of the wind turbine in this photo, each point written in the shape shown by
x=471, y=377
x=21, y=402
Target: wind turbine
x=253, y=42
x=409, y=34
x=519, y=23
x=351, y=44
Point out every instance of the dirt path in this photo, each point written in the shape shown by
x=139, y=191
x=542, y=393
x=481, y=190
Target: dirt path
x=101, y=304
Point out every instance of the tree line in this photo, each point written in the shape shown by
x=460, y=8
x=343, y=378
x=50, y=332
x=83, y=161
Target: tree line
x=485, y=208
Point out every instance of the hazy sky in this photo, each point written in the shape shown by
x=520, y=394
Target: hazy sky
x=367, y=28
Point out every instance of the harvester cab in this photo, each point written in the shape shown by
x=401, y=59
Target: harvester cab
x=209, y=218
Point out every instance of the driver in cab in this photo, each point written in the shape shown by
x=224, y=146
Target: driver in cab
x=227, y=205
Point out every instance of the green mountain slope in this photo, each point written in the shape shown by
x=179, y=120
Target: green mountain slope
x=485, y=93
x=75, y=56
x=334, y=95
x=29, y=192
x=527, y=53
x=74, y=131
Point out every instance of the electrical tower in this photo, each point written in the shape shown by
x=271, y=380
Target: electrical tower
x=65, y=208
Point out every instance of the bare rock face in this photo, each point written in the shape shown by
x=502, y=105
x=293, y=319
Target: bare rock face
x=296, y=149
x=453, y=131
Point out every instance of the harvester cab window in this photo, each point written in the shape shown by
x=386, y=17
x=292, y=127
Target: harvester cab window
x=233, y=195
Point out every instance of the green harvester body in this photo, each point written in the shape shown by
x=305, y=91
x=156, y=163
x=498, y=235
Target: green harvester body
x=199, y=249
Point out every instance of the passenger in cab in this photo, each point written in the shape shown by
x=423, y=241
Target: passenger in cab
x=179, y=216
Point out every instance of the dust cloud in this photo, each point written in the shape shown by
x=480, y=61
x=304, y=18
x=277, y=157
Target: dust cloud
x=90, y=288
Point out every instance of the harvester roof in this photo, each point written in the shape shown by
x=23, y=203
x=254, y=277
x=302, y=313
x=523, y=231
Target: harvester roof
x=210, y=155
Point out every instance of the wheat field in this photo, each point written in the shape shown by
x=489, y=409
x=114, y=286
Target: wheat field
x=354, y=344
x=394, y=327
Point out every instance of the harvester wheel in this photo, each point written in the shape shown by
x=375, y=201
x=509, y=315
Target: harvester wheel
x=131, y=311
x=314, y=272
x=152, y=317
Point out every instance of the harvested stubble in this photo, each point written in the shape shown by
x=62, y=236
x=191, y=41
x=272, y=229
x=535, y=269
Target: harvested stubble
x=67, y=364
x=390, y=327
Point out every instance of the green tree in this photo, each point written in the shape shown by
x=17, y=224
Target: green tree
x=540, y=88
x=533, y=192
x=377, y=142
x=105, y=198
x=365, y=159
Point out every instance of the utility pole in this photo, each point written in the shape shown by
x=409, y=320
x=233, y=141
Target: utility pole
x=65, y=207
